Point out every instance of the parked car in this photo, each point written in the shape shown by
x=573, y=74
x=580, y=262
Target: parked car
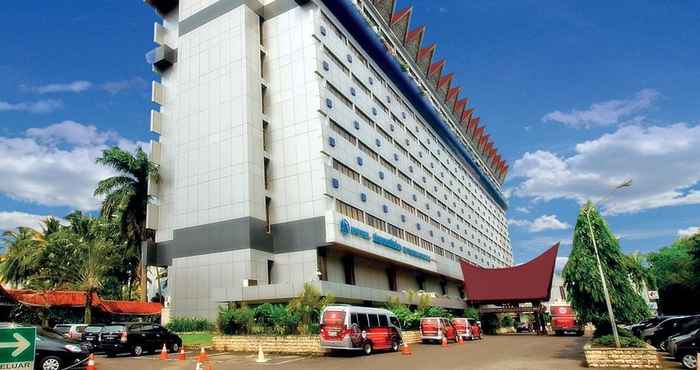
x=137, y=338
x=637, y=329
x=345, y=327
x=70, y=331
x=671, y=327
x=672, y=346
x=433, y=329
x=55, y=352
x=462, y=327
x=524, y=327
x=564, y=320
x=685, y=351
x=91, y=335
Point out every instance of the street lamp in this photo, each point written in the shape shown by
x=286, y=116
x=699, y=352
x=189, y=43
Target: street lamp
x=600, y=266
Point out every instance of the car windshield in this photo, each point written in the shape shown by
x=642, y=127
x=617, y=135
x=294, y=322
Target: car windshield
x=113, y=328
x=48, y=333
x=62, y=328
x=93, y=329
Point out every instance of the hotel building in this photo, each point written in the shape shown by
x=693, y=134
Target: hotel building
x=314, y=142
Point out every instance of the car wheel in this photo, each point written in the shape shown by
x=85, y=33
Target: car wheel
x=367, y=348
x=395, y=345
x=50, y=363
x=689, y=361
x=137, y=350
x=175, y=348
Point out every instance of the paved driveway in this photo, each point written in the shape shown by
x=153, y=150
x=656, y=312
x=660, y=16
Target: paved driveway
x=517, y=352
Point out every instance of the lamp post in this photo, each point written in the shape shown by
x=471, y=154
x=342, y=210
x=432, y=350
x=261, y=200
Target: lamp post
x=600, y=266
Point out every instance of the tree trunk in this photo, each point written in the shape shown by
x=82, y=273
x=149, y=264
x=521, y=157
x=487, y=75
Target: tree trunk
x=143, y=281
x=88, y=308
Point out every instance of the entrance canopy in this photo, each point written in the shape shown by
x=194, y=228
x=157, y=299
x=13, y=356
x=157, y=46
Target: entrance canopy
x=529, y=282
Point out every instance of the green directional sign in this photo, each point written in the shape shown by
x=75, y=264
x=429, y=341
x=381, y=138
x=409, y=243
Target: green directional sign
x=17, y=347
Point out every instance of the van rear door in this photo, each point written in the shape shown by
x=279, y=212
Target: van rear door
x=333, y=324
x=429, y=327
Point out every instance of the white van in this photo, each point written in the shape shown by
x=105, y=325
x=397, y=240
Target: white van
x=359, y=328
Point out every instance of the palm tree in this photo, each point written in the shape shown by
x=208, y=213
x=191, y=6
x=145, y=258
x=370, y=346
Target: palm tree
x=126, y=198
x=308, y=305
x=21, y=260
x=92, y=271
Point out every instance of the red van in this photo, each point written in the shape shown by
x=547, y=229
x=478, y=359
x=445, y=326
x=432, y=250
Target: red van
x=462, y=327
x=564, y=320
x=357, y=328
x=435, y=328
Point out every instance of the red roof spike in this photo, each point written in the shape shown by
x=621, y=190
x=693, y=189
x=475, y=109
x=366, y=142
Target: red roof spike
x=400, y=14
x=418, y=31
x=437, y=66
x=452, y=93
x=423, y=52
x=478, y=131
x=467, y=115
x=445, y=79
x=459, y=106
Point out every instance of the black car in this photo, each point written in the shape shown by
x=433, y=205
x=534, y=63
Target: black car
x=657, y=336
x=55, y=352
x=137, y=338
x=91, y=335
x=637, y=329
x=686, y=350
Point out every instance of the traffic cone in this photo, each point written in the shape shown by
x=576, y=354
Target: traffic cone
x=261, y=356
x=460, y=340
x=91, y=363
x=444, y=341
x=198, y=366
x=181, y=356
x=405, y=349
x=208, y=367
x=203, y=357
x=164, y=352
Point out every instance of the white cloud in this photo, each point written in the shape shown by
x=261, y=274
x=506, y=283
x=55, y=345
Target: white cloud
x=689, y=231
x=13, y=220
x=523, y=210
x=661, y=161
x=71, y=87
x=115, y=87
x=55, y=165
x=542, y=223
x=605, y=113
x=40, y=106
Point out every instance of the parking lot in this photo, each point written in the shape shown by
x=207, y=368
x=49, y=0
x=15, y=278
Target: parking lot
x=494, y=352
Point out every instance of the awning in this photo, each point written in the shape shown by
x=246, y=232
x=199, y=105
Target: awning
x=63, y=298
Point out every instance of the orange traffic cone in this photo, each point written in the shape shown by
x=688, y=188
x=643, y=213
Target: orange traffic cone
x=91, y=363
x=181, y=356
x=199, y=365
x=406, y=350
x=444, y=341
x=460, y=340
x=208, y=367
x=164, y=352
x=202, y=355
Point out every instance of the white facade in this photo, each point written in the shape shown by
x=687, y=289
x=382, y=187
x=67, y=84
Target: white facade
x=276, y=127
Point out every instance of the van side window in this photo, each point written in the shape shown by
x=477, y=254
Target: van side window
x=383, y=322
x=353, y=319
x=394, y=321
x=373, y=320
x=362, y=321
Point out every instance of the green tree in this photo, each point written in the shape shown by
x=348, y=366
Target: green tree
x=125, y=199
x=308, y=305
x=582, y=279
x=22, y=256
x=675, y=268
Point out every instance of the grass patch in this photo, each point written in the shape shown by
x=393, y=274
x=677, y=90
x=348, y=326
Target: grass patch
x=625, y=342
x=203, y=339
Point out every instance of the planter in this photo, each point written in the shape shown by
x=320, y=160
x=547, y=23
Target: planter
x=639, y=358
x=291, y=344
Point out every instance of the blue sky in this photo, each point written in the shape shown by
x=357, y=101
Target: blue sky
x=578, y=97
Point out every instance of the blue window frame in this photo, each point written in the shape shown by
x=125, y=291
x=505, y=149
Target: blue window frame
x=331, y=141
x=363, y=197
x=359, y=161
x=385, y=208
x=336, y=183
x=329, y=103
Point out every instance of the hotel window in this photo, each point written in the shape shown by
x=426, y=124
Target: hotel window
x=395, y=231
x=339, y=95
x=419, y=188
x=350, y=211
x=364, y=117
x=388, y=165
x=408, y=207
x=393, y=198
x=336, y=61
x=401, y=149
x=347, y=171
x=349, y=269
x=357, y=53
x=384, y=134
x=423, y=216
x=365, y=149
x=412, y=238
x=361, y=85
x=376, y=222
x=372, y=186
x=381, y=104
x=435, y=223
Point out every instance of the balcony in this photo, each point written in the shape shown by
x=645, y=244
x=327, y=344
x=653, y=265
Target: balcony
x=163, y=7
x=162, y=58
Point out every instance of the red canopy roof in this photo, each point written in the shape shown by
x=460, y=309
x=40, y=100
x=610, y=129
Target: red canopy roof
x=66, y=298
x=529, y=282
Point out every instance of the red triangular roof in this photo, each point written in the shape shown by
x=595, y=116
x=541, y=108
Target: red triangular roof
x=529, y=282
x=68, y=298
x=415, y=33
x=445, y=79
x=400, y=14
x=437, y=66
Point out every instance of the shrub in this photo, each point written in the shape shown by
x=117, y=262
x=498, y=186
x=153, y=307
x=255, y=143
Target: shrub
x=489, y=323
x=471, y=312
x=188, y=324
x=233, y=320
x=507, y=321
x=625, y=342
